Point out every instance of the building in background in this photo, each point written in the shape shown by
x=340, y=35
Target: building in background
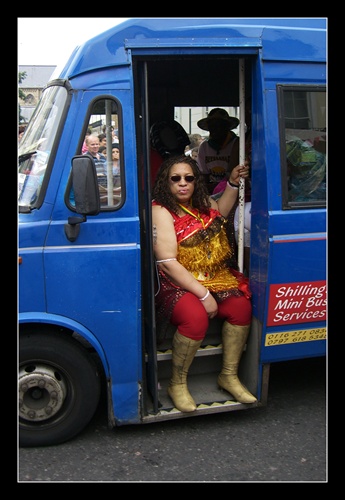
x=36, y=79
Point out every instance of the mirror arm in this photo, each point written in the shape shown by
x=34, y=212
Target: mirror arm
x=72, y=228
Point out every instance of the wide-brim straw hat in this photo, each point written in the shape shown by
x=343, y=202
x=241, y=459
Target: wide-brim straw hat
x=218, y=114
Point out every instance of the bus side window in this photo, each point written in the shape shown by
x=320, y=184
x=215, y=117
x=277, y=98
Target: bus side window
x=104, y=119
x=303, y=146
x=306, y=171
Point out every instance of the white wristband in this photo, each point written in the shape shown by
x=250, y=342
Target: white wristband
x=232, y=186
x=205, y=297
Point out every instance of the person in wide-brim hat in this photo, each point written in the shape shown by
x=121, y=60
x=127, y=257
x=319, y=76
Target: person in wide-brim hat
x=218, y=114
x=218, y=154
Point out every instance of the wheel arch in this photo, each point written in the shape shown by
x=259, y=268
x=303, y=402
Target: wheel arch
x=59, y=324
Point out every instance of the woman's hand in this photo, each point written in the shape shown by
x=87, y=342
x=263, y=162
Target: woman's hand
x=238, y=172
x=211, y=306
x=230, y=195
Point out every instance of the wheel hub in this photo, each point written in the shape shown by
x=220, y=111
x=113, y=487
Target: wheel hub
x=41, y=393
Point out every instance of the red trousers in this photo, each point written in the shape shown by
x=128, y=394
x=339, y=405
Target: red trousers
x=191, y=319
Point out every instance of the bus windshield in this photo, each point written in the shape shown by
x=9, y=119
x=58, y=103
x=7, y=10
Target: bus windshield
x=36, y=145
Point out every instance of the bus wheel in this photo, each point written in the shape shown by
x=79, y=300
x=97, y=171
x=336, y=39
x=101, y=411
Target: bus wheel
x=59, y=388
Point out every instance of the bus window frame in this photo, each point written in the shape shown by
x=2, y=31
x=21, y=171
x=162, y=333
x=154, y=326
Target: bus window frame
x=92, y=108
x=286, y=203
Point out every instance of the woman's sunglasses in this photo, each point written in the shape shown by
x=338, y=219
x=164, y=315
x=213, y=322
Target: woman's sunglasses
x=187, y=178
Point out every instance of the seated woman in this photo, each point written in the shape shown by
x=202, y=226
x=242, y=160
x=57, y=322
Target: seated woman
x=197, y=282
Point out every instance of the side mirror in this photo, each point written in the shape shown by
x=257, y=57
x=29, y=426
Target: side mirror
x=86, y=193
x=85, y=185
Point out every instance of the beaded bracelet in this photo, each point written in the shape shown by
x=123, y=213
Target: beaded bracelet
x=233, y=186
x=207, y=294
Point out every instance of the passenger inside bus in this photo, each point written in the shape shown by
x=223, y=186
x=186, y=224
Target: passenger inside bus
x=219, y=154
x=197, y=282
x=168, y=138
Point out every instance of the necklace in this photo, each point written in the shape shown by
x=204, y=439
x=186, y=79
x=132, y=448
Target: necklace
x=185, y=209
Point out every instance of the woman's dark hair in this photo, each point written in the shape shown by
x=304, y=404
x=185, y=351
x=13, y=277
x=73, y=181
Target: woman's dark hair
x=161, y=190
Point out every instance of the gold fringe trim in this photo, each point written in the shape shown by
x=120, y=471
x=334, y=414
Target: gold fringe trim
x=206, y=261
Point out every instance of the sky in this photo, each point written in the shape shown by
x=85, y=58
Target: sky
x=49, y=41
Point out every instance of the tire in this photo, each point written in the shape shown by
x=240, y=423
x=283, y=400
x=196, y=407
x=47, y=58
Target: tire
x=59, y=388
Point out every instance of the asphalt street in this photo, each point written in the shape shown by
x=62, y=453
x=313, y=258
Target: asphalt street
x=285, y=441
